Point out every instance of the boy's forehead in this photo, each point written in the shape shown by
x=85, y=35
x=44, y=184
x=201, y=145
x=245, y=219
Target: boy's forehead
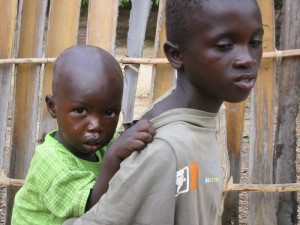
x=226, y=12
x=78, y=85
x=75, y=69
x=198, y=10
x=85, y=76
x=219, y=7
x=81, y=79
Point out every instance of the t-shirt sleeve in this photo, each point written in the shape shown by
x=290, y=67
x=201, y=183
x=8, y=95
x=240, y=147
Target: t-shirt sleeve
x=57, y=186
x=68, y=193
x=64, y=185
x=141, y=192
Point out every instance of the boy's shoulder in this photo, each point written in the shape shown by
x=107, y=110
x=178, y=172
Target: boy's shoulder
x=53, y=154
x=178, y=129
x=51, y=146
x=50, y=160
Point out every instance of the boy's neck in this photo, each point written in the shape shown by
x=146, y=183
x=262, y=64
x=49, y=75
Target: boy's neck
x=188, y=96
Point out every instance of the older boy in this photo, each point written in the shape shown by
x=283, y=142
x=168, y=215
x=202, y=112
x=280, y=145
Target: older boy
x=62, y=180
x=216, y=48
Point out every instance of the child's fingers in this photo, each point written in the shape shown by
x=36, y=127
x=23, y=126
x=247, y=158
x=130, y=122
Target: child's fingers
x=139, y=141
x=144, y=136
x=151, y=130
x=137, y=145
x=144, y=125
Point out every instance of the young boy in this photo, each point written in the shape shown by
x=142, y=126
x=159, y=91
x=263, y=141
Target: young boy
x=62, y=180
x=216, y=48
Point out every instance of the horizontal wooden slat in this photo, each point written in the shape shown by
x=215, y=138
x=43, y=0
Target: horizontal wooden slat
x=291, y=187
x=124, y=60
x=133, y=60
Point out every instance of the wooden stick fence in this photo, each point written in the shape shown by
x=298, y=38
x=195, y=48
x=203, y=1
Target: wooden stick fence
x=129, y=60
x=5, y=181
x=278, y=55
x=31, y=30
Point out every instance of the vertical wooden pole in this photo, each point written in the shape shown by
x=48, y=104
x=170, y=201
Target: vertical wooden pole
x=62, y=33
x=222, y=146
x=261, y=205
x=234, y=125
x=27, y=84
x=102, y=24
x=32, y=24
x=163, y=75
x=136, y=35
x=289, y=98
x=8, y=12
x=8, y=24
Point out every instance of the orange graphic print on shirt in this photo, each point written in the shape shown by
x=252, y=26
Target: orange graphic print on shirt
x=196, y=173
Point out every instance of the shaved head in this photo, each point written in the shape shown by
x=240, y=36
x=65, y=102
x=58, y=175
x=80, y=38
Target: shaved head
x=82, y=62
x=87, y=98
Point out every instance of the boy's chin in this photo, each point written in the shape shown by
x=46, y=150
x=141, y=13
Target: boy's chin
x=90, y=148
x=238, y=100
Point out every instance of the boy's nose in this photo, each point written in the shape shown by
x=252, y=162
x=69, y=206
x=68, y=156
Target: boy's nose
x=95, y=124
x=245, y=58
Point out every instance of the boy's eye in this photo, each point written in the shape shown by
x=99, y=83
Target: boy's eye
x=79, y=110
x=110, y=113
x=256, y=43
x=224, y=46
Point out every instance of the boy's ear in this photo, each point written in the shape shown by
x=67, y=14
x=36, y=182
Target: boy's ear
x=51, y=106
x=173, y=54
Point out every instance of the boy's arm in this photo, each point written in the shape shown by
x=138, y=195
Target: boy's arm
x=141, y=192
x=135, y=138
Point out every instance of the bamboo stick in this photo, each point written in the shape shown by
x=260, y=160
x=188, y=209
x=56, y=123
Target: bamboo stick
x=284, y=53
x=289, y=187
x=11, y=182
x=130, y=60
x=26, y=60
x=5, y=181
x=124, y=60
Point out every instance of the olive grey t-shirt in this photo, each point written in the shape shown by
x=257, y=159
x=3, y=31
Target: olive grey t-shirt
x=177, y=179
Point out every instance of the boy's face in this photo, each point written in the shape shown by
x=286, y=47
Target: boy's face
x=223, y=52
x=87, y=109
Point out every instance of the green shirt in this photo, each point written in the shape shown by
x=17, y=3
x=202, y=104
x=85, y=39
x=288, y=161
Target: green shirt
x=57, y=185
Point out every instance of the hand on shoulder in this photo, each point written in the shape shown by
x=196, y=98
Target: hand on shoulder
x=134, y=138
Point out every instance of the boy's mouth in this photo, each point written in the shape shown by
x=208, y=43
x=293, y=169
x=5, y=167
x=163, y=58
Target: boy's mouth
x=92, y=145
x=245, y=82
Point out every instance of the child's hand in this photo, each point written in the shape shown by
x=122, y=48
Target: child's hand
x=132, y=139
